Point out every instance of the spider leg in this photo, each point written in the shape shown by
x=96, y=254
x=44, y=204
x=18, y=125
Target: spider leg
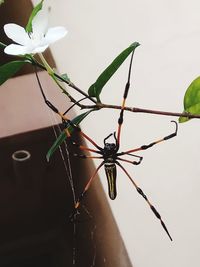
x=63, y=117
x=82, y=156
x=144, y=147
x=81, y=147
x=139, y=190
x=126, y=90
x=78, y=129
x=107, y=138
x=132, y=162
x=80, y=198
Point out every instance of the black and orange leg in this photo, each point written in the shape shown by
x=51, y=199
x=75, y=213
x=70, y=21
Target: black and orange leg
x=139, y=190
x=82, y=147
x=144, y=147
x=64, y=118
x=78, y=202
x=134, y=162
x=83, y=156
x=126, y=90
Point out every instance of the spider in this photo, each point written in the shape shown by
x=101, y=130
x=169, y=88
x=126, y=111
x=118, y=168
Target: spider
x=110, y=154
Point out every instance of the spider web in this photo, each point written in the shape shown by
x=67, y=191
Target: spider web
x=65, y=157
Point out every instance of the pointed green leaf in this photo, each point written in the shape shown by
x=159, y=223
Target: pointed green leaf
x=36, y=9
x=62, y=77
x=195, y=110
x=96, y=88
x=77, y=120
x=62, y=136
x=2, y=45
x=192, y=99
x=9, y=69
x=66, y=77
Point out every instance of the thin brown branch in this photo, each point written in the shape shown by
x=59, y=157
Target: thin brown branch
x=149, y=111
x=142, y=110
x=70, y=84
x=97, y=105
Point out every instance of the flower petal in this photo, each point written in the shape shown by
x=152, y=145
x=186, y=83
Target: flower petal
x=16, y=33
x=40, y=24
x=39, y=49
x=54, y=34
x=15, y=49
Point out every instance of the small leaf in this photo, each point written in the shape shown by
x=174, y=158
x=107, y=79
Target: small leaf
x=62, y=136
x=62, y=77
x=192, y=99
x=2, y=45
x=183, y=119
x=192, y=95
x=36, y=9
x=78, y=120
x=96, y=88
x=66, y=77
x=9, y=69
x=195, y=110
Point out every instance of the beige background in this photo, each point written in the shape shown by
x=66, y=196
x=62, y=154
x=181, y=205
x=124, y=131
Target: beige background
x=165, y=64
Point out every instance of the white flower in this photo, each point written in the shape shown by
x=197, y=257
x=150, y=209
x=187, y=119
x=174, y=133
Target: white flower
x=36, y=41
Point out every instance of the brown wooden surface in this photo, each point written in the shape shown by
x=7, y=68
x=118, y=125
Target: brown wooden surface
x=35, y=227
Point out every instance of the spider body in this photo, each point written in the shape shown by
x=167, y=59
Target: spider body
x=111, y=175
x=109, y=153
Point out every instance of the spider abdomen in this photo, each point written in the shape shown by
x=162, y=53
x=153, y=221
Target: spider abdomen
x=111, y=174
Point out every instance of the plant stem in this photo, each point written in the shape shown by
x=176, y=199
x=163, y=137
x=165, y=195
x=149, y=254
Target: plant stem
x=46, y=65
x=70, y=84
x=98, y=105
x=149, y=111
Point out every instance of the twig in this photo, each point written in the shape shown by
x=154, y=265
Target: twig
x=98, y=105
x=34, y=62
x=149, y=111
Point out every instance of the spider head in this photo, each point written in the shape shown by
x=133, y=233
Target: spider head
x=110, y=149
x=109, y=146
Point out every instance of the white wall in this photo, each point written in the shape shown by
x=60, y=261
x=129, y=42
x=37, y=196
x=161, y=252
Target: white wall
x=165, y=64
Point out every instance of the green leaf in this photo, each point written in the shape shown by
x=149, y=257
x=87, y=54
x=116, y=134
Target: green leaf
x=192, y=99
x=9, y=69
x=66, y=77
x=96, y=88
x=62, y=77
x=62, y=136
x=2, y=45
x=195, y=110
x=36, y=9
